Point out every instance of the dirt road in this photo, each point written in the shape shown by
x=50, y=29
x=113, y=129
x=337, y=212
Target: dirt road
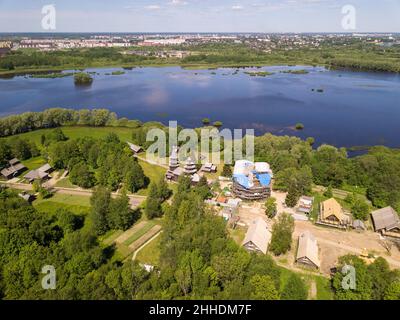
x=134, y=200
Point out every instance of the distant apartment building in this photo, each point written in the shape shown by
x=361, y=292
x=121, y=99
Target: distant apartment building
x=161, y=42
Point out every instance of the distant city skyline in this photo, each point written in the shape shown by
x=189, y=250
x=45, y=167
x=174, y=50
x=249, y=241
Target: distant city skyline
x=272, y=16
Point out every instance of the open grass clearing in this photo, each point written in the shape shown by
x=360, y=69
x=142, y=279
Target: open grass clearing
x=73, y=203
x=150, y=254
x=141, y=232
x=34, y=163
x=75, y=132
x=146, y=237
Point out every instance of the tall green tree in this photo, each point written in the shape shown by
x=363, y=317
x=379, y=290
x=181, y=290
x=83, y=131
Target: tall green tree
x=292, y=197
x=100, y=202
x=270, y=207
x=282, y=231
x=263, y=288
x=295, y=289
x=121, y=216
x=81, y=176
x=360, y=209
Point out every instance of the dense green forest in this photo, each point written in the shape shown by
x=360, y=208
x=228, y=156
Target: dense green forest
x=198, y=258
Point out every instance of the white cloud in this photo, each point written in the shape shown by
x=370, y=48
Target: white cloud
x=153, y=7
x=237, y=7
x=178, y=2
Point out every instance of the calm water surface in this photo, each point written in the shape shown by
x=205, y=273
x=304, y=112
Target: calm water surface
x=354, y=109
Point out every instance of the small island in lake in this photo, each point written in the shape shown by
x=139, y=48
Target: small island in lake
x=82, y=78
x=51, y=75
x=117, y=73
x=259, y=73
x=296, y=71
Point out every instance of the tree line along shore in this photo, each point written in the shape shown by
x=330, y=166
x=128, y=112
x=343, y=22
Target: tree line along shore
x=355, y=57
x=375, y=174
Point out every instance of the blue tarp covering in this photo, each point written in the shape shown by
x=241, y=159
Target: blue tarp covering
x=264, y=178
x=242, y=180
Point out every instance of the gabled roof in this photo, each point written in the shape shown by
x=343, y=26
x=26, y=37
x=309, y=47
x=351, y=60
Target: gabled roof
x=35, y=174
x=45, y=168
x=259, y=235
x=178, y=171
x=386, y=218
x=7, y=172
x=13, y=169
x=308, y=248
x=134, y=147
x=331, y=207
x=13, y=161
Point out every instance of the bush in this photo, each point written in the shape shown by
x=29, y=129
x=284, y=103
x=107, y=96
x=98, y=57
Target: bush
x=270, y=207
x=282, y=231
x=217, y=124
x=206, y=121
x=227, y=171
x=360, y=209
x=295, y=289
x=82, y=78
x=82, y=176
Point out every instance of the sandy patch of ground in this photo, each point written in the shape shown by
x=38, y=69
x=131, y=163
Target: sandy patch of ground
x=333, y=243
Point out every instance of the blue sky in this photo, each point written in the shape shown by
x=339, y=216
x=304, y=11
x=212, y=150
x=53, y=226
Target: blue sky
x=200, y=15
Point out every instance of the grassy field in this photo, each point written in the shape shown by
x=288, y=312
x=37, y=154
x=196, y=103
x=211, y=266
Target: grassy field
x=140, y=233
x=76, y=132
x=237, y=234
x=110, y=236
x=34, y=163
x=150, y=254
x=153, y=172
x=74, y=203
x=323, y=286
x=65, y=183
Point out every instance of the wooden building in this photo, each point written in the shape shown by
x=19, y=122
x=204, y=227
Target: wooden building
x=386, y=220
x=308, y=252
x=257, y=237
x=251, y=181
x=135, y=149
x=331, y=213
x=190, y=167
x=14, y=168
x=305, y=204
x=209, y=168
x=43, y=173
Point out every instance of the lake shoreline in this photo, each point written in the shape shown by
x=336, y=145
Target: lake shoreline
x=318, y=98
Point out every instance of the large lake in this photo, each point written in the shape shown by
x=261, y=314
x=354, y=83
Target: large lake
x=354, y=109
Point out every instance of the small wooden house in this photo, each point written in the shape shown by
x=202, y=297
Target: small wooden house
x=308, y=252
x=331, y=212
x=257, y=237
